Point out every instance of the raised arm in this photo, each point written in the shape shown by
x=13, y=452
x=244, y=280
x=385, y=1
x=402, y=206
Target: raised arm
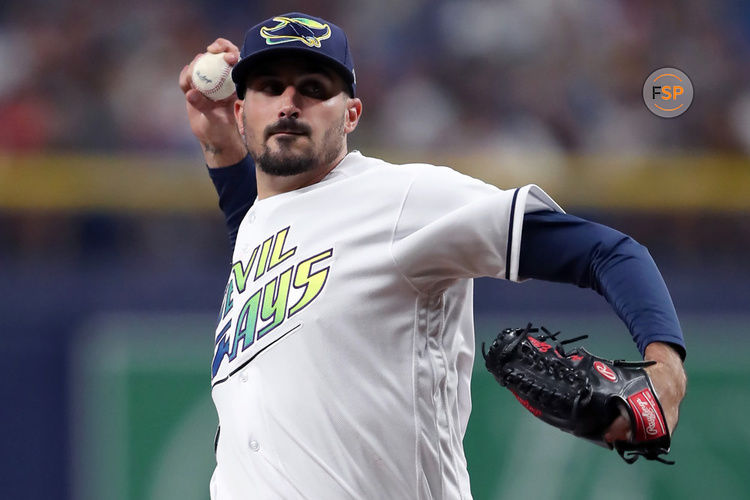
x=214, y=125
x=213, y=122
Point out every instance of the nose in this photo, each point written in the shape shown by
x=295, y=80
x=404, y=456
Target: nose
x=289, y=105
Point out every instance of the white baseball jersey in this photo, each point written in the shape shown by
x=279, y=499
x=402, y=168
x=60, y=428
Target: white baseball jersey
x=345, y=342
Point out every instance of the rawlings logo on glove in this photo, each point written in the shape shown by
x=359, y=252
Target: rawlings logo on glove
x=578, y=392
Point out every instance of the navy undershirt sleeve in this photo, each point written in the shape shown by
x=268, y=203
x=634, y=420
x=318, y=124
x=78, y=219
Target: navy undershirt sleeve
x=564, y=248
x=237, y=189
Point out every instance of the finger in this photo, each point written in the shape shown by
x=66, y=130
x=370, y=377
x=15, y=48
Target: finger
x=186, y=75
x=231, y=52
x=231, y=58
x=184, y=79
x=199, y=101
x=223, y=45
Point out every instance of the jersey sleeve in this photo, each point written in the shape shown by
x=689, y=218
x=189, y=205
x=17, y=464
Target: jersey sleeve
x=453, y=226
x=237, y=190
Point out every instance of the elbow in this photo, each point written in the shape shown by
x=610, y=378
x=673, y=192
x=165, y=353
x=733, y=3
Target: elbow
x=612, y=254
x=621, y=247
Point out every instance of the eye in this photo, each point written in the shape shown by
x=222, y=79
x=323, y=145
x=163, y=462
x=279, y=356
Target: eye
x=273, y=88
x=314, y=88
x=268, y=86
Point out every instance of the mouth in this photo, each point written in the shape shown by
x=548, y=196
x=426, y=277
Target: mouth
x=287, y=133
x=288, y=129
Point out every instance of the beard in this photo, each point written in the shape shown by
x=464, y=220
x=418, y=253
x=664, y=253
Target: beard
x=285, y=162
x=284, y=165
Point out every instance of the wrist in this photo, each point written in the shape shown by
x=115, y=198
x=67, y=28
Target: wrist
x=662, y=352
x=217, y=155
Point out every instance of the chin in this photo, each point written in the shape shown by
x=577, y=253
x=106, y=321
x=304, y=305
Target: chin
x=285, y=163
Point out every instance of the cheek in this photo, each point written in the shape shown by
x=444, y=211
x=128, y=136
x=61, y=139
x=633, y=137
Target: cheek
x=253, y=125
x=330, y=116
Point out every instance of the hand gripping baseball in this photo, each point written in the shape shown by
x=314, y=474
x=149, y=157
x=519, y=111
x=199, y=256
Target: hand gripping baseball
x=580, y=393
x=213, y=122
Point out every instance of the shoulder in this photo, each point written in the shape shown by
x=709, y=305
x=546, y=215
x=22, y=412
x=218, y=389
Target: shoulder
x=424, y=178
x=444, y=189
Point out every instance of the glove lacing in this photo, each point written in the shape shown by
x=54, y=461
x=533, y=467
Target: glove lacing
x=553, y=366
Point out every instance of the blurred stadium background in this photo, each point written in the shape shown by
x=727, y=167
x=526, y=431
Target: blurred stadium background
x=113, y=253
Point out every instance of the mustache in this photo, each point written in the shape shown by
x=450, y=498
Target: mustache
x=287, y=125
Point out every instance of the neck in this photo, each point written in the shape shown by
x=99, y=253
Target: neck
x=271, y=185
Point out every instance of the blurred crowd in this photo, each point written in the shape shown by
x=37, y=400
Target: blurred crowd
x=502, y=79
x=549, y=76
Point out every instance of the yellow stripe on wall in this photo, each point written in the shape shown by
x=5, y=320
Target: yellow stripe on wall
x=105, y=183
x=133, y=184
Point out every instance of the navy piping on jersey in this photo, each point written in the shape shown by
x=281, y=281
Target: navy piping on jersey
x=510, y=234
x=262, y=349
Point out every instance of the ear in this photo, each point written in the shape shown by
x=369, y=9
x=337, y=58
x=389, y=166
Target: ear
x=238, y=108
x=353, y=112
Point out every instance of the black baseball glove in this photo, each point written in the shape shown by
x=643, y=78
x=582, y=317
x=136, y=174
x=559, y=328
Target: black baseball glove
x=578, y=392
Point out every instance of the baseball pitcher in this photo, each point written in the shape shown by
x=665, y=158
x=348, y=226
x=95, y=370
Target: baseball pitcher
x=344, y=346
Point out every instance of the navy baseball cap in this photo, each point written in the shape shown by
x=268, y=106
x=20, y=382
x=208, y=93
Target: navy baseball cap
x=296, y=33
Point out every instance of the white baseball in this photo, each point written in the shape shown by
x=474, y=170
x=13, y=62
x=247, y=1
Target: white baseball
x=212, y=76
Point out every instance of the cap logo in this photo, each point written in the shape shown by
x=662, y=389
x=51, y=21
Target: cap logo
x=296, y=29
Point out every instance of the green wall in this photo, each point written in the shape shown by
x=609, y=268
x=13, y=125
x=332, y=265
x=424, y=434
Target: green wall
x=144, y=421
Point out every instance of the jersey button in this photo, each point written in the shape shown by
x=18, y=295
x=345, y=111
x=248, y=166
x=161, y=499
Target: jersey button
x=243, y=377
x=254, y=445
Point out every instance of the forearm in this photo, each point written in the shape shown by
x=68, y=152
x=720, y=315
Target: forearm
x=235, y=184
x=220, y=154
x=628, y=278
x=669, y=379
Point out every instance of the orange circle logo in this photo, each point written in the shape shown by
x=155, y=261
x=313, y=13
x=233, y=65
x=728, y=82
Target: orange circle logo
x=668, y=92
